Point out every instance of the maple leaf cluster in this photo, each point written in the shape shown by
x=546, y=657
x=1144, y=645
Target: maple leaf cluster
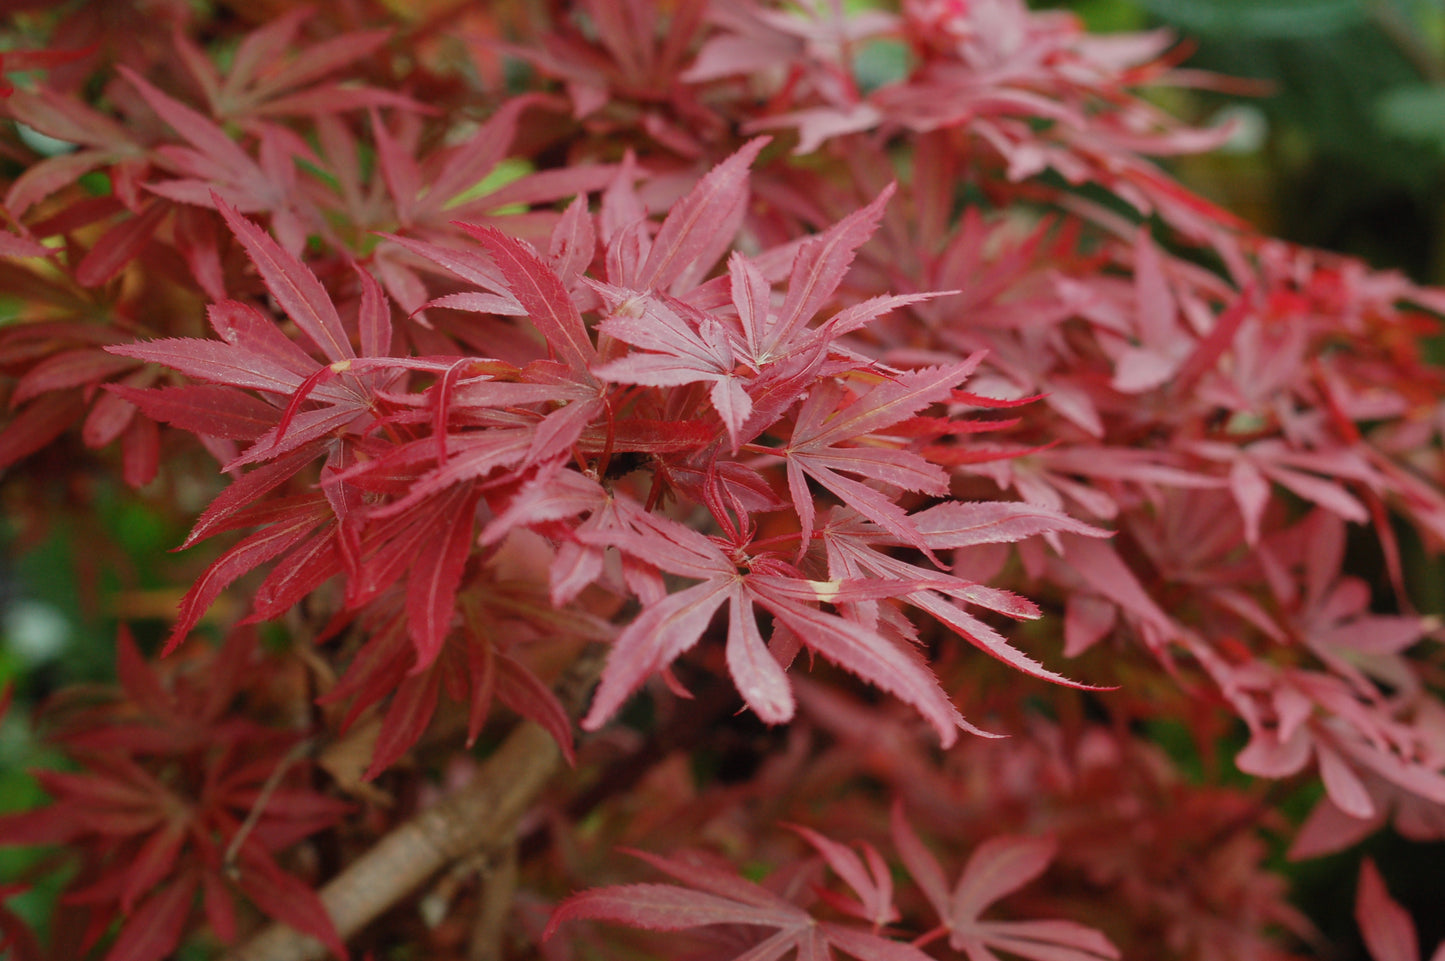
x=883, y=406
x=176, y=797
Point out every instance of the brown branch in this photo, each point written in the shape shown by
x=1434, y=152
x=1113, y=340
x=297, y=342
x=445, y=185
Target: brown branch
x=482, y=814
x=499, y=884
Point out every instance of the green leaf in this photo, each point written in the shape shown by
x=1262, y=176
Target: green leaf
x=1279, y=19
x=1415, y=113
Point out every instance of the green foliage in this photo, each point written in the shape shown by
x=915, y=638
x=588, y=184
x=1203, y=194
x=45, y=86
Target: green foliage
x=1354, y=97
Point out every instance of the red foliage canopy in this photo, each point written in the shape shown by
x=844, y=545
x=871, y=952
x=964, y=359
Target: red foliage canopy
x=715, y=350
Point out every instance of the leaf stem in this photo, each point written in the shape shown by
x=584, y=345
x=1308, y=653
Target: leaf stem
x=928, y=937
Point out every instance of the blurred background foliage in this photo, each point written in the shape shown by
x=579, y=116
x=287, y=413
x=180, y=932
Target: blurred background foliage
x=1343, y=143
x=1340, y=144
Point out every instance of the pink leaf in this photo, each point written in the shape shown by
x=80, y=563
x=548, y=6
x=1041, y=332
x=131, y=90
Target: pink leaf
x=524, y=692
x=573, y=243
x=753, y=668
x=403, y=179
x=207, y=409
x=872, y=657
x=1251, y=493
x=251, y=552
x=246, y=328
x=752, y=295
x=1343, y=785
x=154, y=929
x=988, y=640
x=821, y=427
x=653, y=641
x=436, y=571
x=1384, y=924
x=221, y=513
x=1327, y=494
x=293, y=285
x=21, y=247
x=891, y=401
x=153, y=862
x=820, y=266
x=284, y=897
x=730, y=399
x=320, y=59
x=140, y=447
x=42, y=179
x=659, y=907
x=136, y=677
x=374, y=317
x=873, y=884
x=867, y=946
x=921, y=863
x=66, y=369
x=209, y=139
x=216, y=362
x=997, y=868
x=407, y=716
x=300, y=572
x=1045, y=940
x=700, y=227
x=544, y=297
x=1154, y=302
x=37, y=425
x=119, y=245
x=968, y=523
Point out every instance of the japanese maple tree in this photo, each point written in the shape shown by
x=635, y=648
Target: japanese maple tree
x=658, y=480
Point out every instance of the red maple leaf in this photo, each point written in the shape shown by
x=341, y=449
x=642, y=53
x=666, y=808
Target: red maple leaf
x=831, y=438
x=173, y=795
x=714, y=896
x=997, y=868
x=745, y=579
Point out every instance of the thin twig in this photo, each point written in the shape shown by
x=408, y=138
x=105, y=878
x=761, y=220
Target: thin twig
x=253, y=816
